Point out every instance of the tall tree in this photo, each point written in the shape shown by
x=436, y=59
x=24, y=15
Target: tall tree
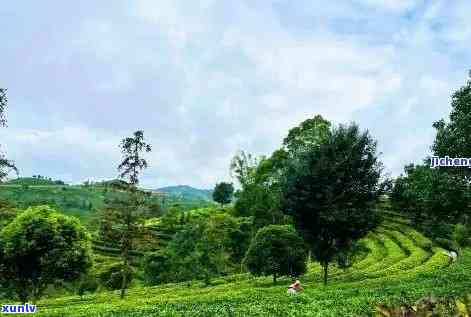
x=6, y=166
x=223, y=193
x=133, y=162
x=330, y=192
x=453, y=138
x=123, y=216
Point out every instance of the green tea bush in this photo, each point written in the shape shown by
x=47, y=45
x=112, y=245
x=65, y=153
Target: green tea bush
x=462, y=235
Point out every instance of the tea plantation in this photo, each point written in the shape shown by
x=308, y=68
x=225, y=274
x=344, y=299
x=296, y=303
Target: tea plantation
x=401, y=266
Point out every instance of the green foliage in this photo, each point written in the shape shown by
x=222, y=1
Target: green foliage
x=453, y=138
x=74, y=202
x=462, y=235
x=133, y=163
x=433, y=199
x=8, y=212
x=261, y=178
x=197, y=251
x=122, y=221
x=87, y=284
x=260, y=194
x=278, y=251
x=346, y=258
x=241, y=295
x=261, y=203
x=223, y=193
x=112, y=276
x=157, y=268
x=429, y=306
x=199, y=244
x=448, y=244
x=331, y=190
x=310, y=133
x=242, y=167
x=123, y=218
x=39, y=247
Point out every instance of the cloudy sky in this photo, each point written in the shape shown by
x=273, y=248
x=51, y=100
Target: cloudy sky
x=206, y=78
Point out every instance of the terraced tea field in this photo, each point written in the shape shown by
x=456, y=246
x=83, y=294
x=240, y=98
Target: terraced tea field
x=401, y=266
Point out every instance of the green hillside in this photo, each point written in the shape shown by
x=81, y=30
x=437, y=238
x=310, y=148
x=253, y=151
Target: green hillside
x=77, y=201
x=82, y=201
x=186, y=192
x=401, y=266
x=33, y=181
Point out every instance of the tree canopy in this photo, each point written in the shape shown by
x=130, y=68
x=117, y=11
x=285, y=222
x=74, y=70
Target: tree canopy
x=433, y=198
x=223, y=193
x=330, y=192
x=261, y=177
x=277, y=250
x=41, y=246
x=133, y=163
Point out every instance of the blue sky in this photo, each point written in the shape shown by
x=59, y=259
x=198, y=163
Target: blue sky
x=204, y=79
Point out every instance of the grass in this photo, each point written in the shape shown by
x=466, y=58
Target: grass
x=401, y=266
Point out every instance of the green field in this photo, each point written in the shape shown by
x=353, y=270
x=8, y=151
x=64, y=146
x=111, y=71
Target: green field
x=401, y=266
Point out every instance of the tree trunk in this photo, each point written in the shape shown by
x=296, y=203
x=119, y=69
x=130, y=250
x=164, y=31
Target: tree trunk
x=124, y=274
x=22, y=295
x=274, y=278
x=326, y=271
x=124, y=282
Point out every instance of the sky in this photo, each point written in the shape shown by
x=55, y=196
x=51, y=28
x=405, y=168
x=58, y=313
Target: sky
x=205, y=79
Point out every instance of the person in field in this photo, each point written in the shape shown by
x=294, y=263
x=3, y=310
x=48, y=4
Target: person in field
x=295, y=288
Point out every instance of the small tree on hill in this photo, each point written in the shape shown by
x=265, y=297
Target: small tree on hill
x=277, y=250
x=223, y=193
x=40, y=247
x=330, y=192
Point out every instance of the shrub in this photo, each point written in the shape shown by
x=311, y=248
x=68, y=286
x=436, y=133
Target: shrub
x=277, y=250
x=112, y=276
x=87, y=284
x=157, y=268
x=462, y=235
x=448, y=244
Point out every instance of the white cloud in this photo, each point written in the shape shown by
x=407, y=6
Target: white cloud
x=206, y=78
x=397, y=6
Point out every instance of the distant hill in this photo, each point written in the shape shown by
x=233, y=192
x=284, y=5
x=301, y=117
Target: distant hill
x=186, y=192
x=34, y=181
